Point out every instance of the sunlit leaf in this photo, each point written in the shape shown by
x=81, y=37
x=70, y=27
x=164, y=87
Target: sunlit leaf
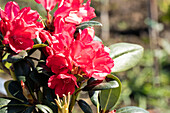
x=16, y=58
x=97, y=39
x=88, y=24
x=98, y=85
x=131, y=109
x=125, y=56
x=39, y=46
x=109, y=97
x=3, y=102
x=94, y=97
x=44, y=108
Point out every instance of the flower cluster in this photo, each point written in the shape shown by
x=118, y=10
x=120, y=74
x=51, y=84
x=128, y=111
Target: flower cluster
x=70, y=53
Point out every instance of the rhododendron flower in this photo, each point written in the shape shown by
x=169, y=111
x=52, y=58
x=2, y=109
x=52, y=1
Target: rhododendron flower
x=63, y=84
x=48, y=4
x=20, y=38
x=58, y=63
x=19, y=27
x=73, y=11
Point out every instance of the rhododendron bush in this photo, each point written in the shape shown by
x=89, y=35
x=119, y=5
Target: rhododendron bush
x=69, y=59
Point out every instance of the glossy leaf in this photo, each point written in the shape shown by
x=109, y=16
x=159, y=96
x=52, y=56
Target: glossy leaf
x=14, y=89
x=84, y=106
x=97, y=39
x=21, y=70
x=39, y=46
x=29, y=109
x=98, y=85
x=39, y=78
x=84, y=25
x=16, y=106
x=125, y=56
x=109, y=97
x=131, y=109
x=11, y=105
x=16, y=58
x=44, y=108
x=3, y=102
x=94, y=97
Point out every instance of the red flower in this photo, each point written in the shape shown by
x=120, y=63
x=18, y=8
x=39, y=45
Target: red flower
x=86, y=36
x=58, y=63
x=19, y=26
x=20, y=36
x=62, y=83
x=48, y=4
x=73, y=11
x=102, y=62
x=90, y=55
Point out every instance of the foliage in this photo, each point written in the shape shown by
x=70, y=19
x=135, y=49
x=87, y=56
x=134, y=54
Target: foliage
x=139, y=90
x=72, y=59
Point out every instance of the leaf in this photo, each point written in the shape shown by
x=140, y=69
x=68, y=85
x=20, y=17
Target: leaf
x=39, y=78
x=18, y=57
x=94, y=97
x=14, y=89
x=11, y=105
x=84, y=106
x=97, y=39
x=84, y=25
x=131, y=109
x=16, y=106
x=97, y=85
x=44, y=108
x=29, y=109
x=125, y=56
x=3, y=102
x=21, y=70
x=109, y=97
x=39, y=46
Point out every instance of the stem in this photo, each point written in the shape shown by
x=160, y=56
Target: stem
x=72, y=103
x=74, y=98
x=98, y=108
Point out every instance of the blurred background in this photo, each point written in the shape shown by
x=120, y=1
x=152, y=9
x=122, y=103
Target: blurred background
x=143, y=22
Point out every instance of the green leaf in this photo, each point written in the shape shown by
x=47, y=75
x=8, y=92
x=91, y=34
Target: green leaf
x=125, y=56
x=88, y=24
x=16, y=58
x=96, y=38
x=14, y=89
x=84, y=106
x=39, y=46
x=11, y=105
x=29, y=109
x=109, y=97
x=39, y=78
x=44, y=108
x=16, y=106
x=21, y=70
x=131, y=109
x=97, y=85
x=94, y=97
x=3, y=102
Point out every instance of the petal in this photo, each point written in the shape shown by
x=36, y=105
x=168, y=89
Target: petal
x=48, y=4
x=12, y=9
